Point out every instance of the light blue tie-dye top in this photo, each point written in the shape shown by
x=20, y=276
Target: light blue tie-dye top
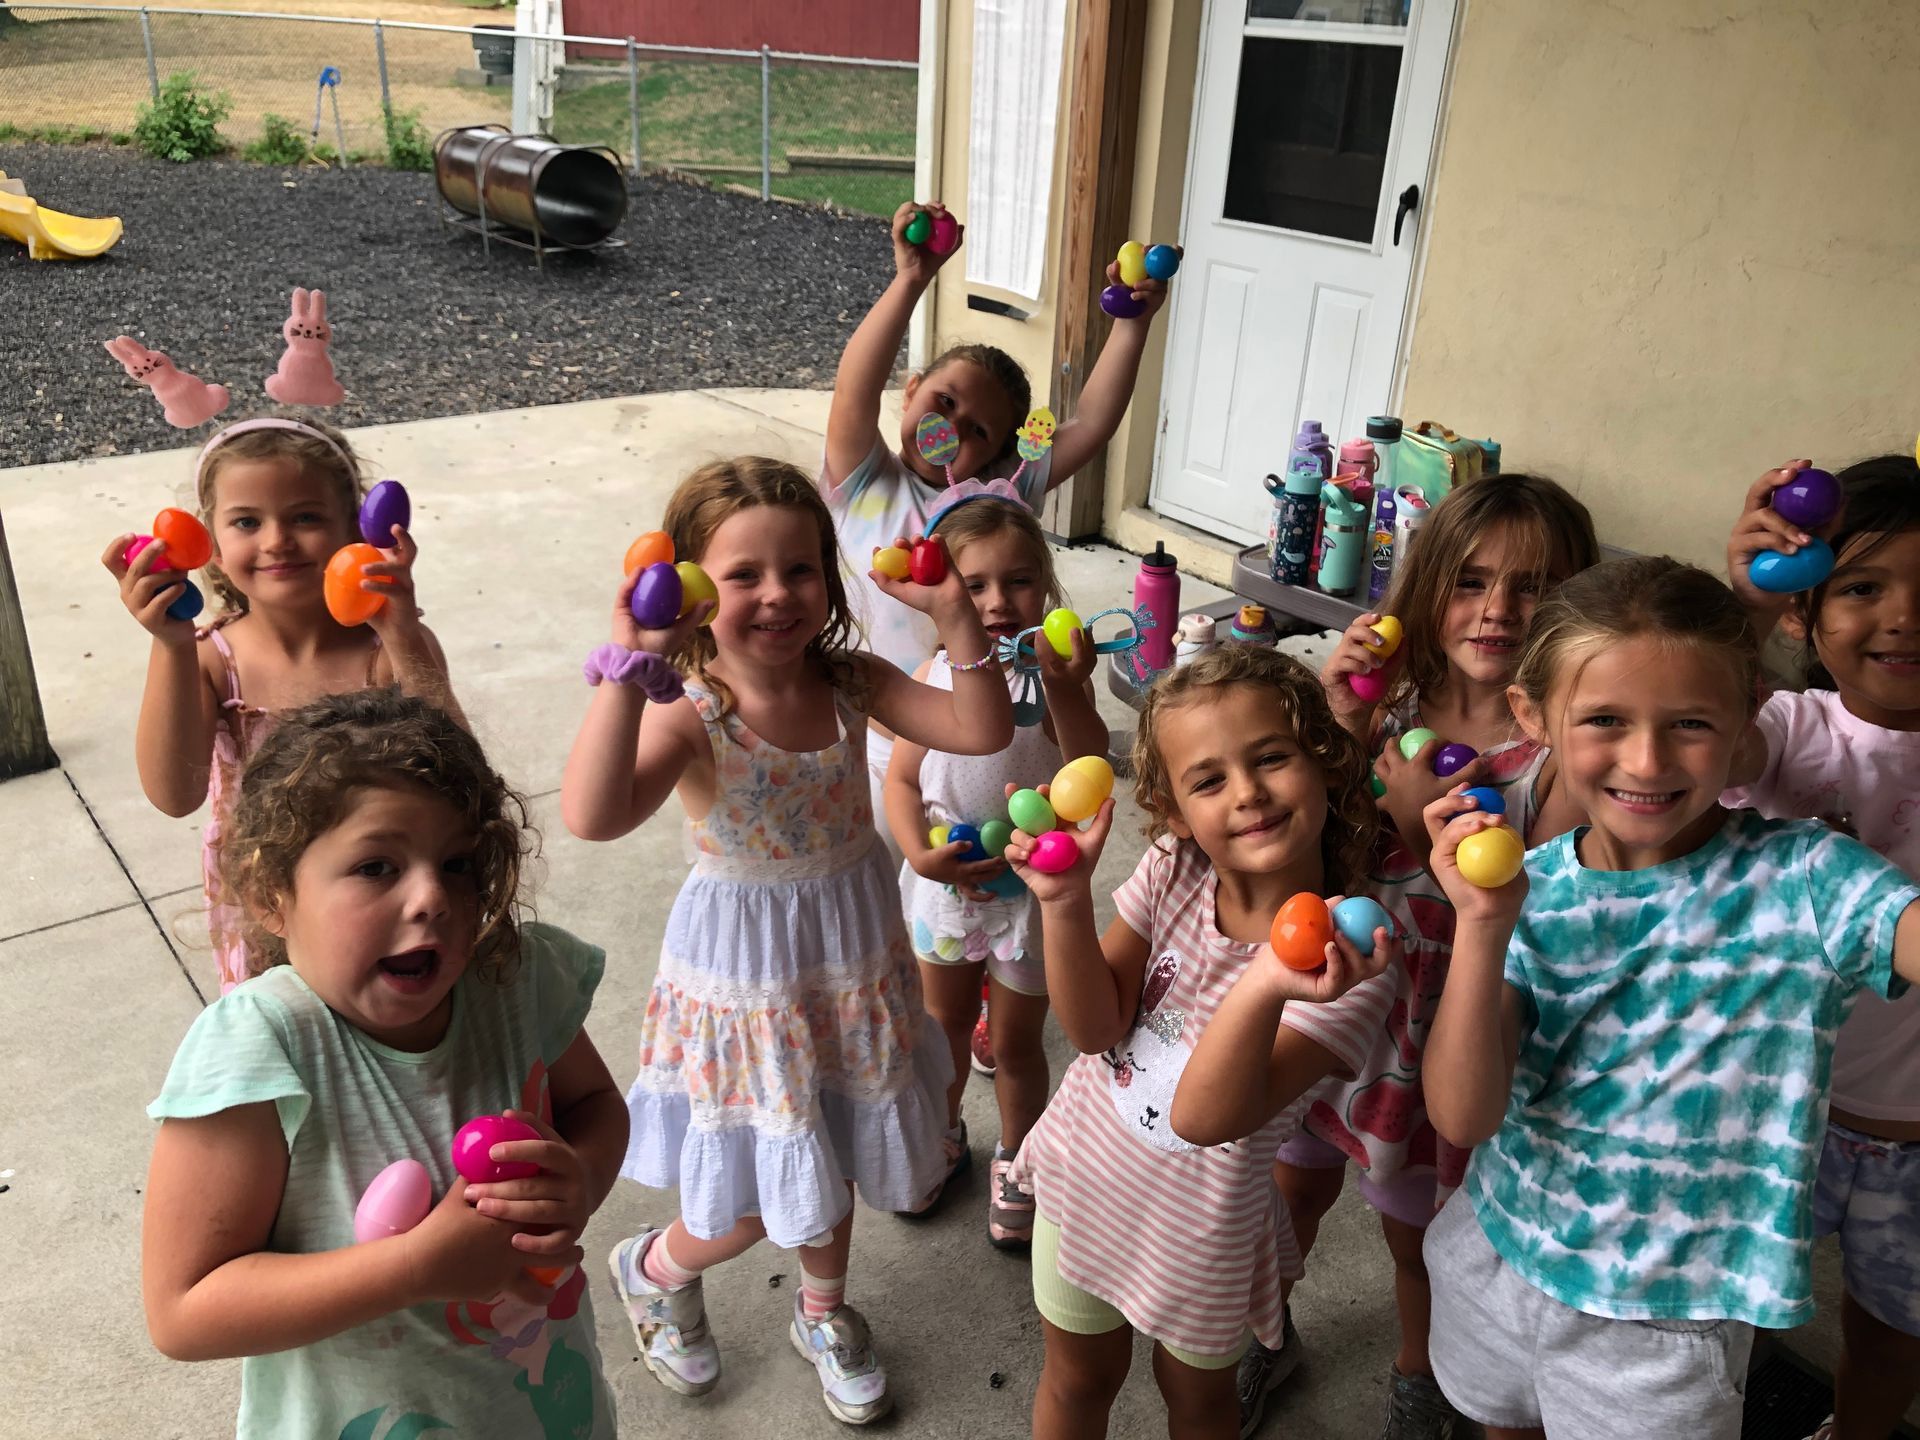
x=1660, y=1145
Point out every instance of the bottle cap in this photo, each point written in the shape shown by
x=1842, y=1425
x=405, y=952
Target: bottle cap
x=1383, y=427
x=1160, y=559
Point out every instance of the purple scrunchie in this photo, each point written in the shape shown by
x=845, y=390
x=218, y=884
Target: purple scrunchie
x=650, y=673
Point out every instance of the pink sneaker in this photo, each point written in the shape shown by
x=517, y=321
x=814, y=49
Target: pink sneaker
x=1009, y=1208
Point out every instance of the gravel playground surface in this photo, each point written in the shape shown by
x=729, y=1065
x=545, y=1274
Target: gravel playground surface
x=711, y=289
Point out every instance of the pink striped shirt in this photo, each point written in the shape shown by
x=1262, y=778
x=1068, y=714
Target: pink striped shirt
x=1191, y=1245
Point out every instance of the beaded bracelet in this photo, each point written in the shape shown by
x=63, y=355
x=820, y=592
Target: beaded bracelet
x=642, y=669
x=992, y=657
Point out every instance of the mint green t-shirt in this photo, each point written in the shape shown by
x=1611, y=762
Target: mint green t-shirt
x=1670, y=1098
x=349, y=1107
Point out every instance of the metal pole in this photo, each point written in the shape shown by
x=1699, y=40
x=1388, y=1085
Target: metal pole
x=339, y=130
x=633, y=101
x=153, y=69
x=380, y=54
x=766, y=122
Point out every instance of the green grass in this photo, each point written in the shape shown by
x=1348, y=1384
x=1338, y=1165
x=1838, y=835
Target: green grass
x=62, y=135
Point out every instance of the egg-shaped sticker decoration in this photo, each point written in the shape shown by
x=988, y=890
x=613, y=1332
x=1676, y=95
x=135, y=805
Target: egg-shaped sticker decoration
x=1036, y=435
x=936, y=438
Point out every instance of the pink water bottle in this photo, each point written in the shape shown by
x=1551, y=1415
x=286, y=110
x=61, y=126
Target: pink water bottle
x=1156, y=589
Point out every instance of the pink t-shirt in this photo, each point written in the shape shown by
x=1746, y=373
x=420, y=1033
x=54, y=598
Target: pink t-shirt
x=1826, y=763
x=1191, y=1245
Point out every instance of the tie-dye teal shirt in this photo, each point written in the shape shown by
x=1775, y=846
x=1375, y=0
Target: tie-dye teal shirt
x=1659, y=1150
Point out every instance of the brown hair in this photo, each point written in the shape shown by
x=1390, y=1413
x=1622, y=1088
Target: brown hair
x=1346, y=843
x=300, y=784
x=1555, y=537
x=981, y=519
x=716, y=493
x=1645, y=595
x=1005, y=372
x=1880, y=499
x=339, y=467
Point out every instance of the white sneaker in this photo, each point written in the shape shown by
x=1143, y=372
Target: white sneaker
x=840, y=1349
x=669, y=1326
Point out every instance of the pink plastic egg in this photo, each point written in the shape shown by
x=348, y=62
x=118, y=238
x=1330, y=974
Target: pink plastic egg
x=944, y=235
x=1054, y=852
x=134, y=547
x=473, y=1146
x=396, y=1201
x=1369, y=685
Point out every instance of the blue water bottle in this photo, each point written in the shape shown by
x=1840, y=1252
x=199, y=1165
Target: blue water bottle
x=1296, y=506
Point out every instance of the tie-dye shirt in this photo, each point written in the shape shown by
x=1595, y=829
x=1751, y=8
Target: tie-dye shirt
x=1669, y=1104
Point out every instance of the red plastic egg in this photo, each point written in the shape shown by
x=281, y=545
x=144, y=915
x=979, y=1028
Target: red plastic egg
x=1302, y=931
x=188, y=544
x=928, y=562
x=346, y=601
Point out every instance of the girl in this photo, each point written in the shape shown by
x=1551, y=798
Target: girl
x=1848, y=752
x=378, y=857
x=1641, y=1052
x=1464, y=596
x=278, y=496
x=782, y=1057
x=968, y=917
x=1149, y=1218
x=876, y=492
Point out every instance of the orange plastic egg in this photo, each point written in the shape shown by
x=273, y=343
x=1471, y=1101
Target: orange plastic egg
x=346, y=601
x=653, y=548
x=1302, y=931
x=188, y=544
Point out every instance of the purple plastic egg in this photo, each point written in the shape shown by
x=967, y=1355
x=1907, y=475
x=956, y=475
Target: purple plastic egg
x=656, y=597
x=1453, y=756
x=1809, y=500
x=386, y=506
x=1118, y=301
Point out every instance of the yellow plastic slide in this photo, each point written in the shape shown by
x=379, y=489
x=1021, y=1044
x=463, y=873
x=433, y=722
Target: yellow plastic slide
x=52, y=234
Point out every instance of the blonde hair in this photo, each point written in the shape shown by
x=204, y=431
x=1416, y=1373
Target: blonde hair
x=982, y=519
x=299, y=785
x=1347, y=840
x=1555, y=538
x=1652, y=596
x=1005, y=372
x=332, y=459
x=714, y=494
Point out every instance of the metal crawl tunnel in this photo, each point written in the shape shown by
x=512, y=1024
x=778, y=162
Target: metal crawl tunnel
x=529, y=190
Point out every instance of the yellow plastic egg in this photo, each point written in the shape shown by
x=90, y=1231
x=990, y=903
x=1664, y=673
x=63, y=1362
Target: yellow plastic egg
x=938, y=835
x=1081, y=788
x=893, y=562
x=1490, y=858
x=1058, y=627
x=1390, y=633
x=1133, y=263
x=695, y=585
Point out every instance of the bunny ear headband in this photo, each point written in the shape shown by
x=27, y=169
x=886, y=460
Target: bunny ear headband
x=939, y=443
x=305, y=375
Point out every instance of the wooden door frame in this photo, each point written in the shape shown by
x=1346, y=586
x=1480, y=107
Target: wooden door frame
x=24, y=747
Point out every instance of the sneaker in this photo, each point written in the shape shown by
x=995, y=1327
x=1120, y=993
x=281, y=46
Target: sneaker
x=1009, y=1208
x=981, y=1047
x=669, y=1326
x=840, y=1349
x=1416, y=1410
x=1262, y=1371
x=959, y=1157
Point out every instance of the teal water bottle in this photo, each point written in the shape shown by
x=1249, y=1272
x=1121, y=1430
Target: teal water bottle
x=1346, y=547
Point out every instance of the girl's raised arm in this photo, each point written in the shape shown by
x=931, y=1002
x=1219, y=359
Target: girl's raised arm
x=976, y=716
x=179, y=712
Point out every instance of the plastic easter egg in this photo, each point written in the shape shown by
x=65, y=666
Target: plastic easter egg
x=1490, y=858
x=937, y=439
x=346, y=601
x=656, y=597
x=1377, y=785
x=135, y=546
x=1006, y=884
x=386, y=506
x=943, y=234
x=1118, y=301
x=1163, y=262
x=1487, y=800
x=1369, y=685
x=1058, y=627
x=1030, y=811
x=1781, y=574
x=928, y=562
x=397, y=1200
x=1132, y=261
x=994, y=836
x=1453, y=756
x=1357, y=917
x=968, y=836
x=893, y=562
x=919, y=229
x=1081, y=788
x=188, y=603
x=1809, y=500
x=1411, y=742
x=695, y=585
x=473, y=1146
x=653, y=548
x=938, y=836
x=1388, y=628
x=188, y=544
x=1054, y=852
x=1301, y=932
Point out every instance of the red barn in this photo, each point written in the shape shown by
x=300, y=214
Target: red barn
x=865, y=29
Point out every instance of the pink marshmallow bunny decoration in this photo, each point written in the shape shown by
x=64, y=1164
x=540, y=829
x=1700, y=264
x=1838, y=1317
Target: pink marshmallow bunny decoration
x=185, y=400
x=305, y=376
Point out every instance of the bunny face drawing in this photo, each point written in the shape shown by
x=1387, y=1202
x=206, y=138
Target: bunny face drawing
x=185, y=401
x=305, y=376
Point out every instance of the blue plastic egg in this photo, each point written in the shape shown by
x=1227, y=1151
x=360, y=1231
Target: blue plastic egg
x=189, y=604
x=969, y=836
x=1780, y=574
x=1006, y=885
x=1357, y=917
x=656, y=597
x=1489, y=800
x=1163, y=262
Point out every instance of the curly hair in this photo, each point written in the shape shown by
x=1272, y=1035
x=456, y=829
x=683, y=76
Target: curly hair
x=341, y=468
x=300, y=784
x=1346, y=843
x=1004, y=371
x=714, y=494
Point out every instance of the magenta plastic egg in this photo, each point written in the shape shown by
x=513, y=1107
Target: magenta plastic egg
x=473, y=1146
x=134, y=547
x=1453, y=756
x=1369, y=685
x=386, y=506
x=944, y=235
x=1118, y=301
x=397, y=1200
x=1054, y=852
x=1809, y=500
x=656, y=597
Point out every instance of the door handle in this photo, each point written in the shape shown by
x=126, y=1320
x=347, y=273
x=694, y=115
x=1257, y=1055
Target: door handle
x=1409, y=202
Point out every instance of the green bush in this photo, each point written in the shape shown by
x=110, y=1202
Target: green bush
x=279, y=142
x=409, y=147
x=184, y=123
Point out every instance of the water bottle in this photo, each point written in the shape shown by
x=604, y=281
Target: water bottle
x=1196, y=638
x=1156, y=589
x=1383, y=432
x=1253, y=626
x=1490, y=451
x=1296, y=506
x=1344, y=556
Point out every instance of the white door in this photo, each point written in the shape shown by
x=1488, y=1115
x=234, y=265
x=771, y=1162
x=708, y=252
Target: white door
x=1313, y=129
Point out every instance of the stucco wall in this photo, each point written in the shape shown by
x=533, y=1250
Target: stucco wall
x=1670, y=247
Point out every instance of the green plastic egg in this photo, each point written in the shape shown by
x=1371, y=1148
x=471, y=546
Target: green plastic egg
x=1029, y=810
x=1411, y=742
x=994, y=836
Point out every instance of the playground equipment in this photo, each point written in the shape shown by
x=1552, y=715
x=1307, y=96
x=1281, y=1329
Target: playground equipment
x=529, y=190
x=52, y=234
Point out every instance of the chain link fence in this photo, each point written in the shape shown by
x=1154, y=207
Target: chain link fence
x=817, y=129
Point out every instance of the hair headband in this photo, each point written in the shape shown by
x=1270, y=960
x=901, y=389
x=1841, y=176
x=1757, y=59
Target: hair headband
x=266, y=422
x=939, y=443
